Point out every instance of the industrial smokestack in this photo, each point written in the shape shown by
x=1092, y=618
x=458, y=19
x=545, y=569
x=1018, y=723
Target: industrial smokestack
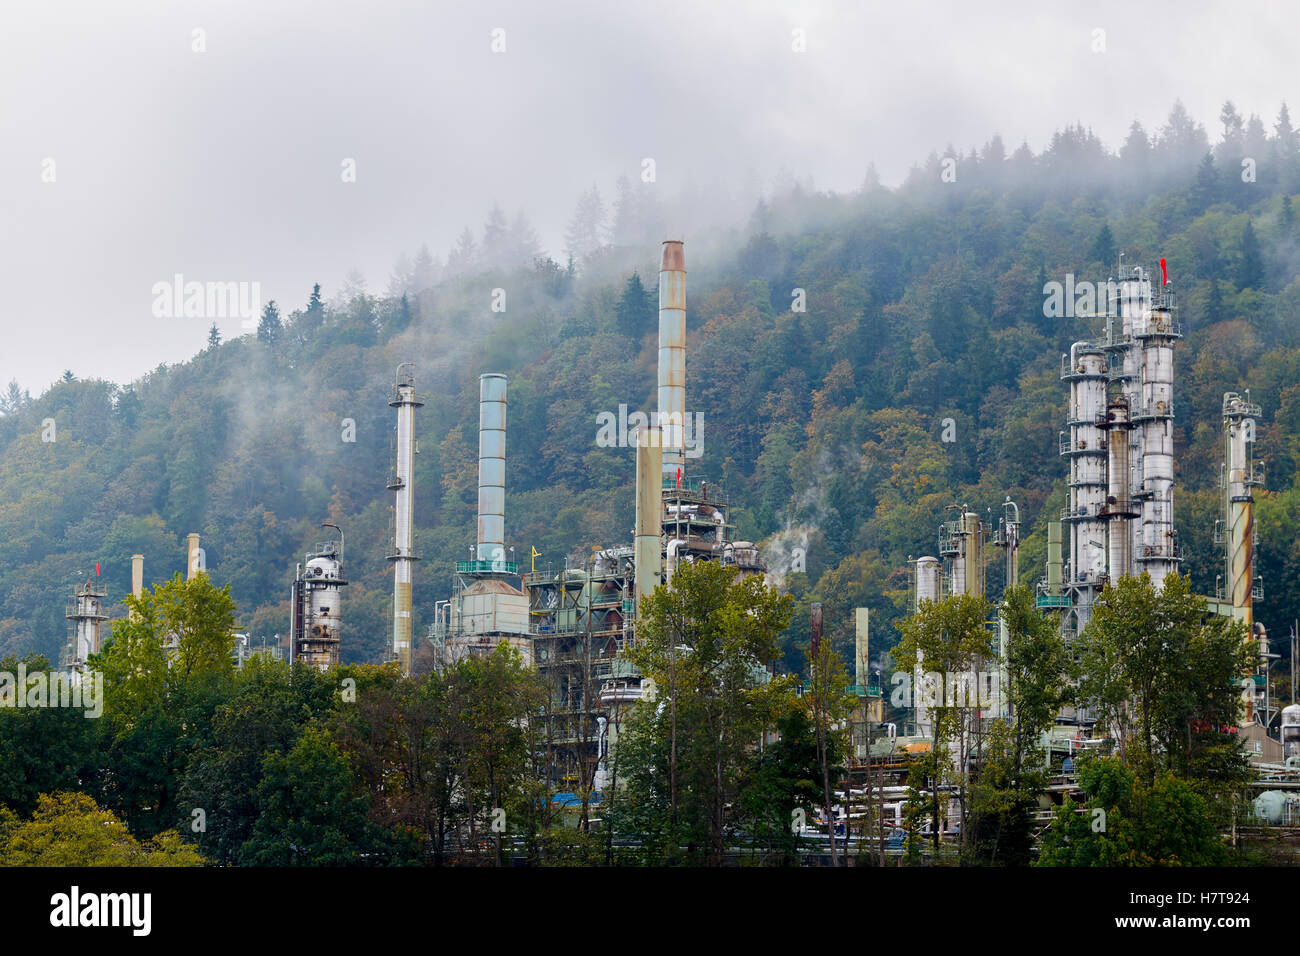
x=1010, y=540
x=403, y=556
x=1239, y=420
x=137, y=575
x=1054, y=560
x=193, y=564
x=861, y=636
x=492, y=470
x=649, y=510
x=973, y=554
x=672, y=356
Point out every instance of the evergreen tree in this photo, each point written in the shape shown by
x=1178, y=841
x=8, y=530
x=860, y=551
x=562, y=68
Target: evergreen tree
x=424, y=271
x=1137, y=147
x=1286, y=150
x=1250, y=267
x=496, y=238
x=523, y=246
x=270, y=327
x=214, y=336
x=399, y=318
x=400, y=279
x=1233, y=131
x=314, y=317
x=1205, y=191
x=1214, y=302
x=1103, y=247
x=586, y=231
x=627, y=220
x=14, y=398
x=634, y=315
x=464, y=255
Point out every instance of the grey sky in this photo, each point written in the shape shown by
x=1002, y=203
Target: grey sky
x=225, y=165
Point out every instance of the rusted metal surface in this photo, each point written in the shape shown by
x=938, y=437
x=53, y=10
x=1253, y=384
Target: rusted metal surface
x=672, y=356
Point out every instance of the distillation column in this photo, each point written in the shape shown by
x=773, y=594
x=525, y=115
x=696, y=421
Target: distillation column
x=86, y=611
x=972, y=547
x=1240, y=479
x=403, y=556
x=1008, y=537
x=1084, y=445
x=1119, y=505
x=1152, y=411
x=492, y=470
x=672, y=358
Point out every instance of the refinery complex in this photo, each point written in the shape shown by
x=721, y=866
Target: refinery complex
x=575, y=624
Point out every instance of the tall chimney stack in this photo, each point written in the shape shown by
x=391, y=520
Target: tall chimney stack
x=492, y=470
x=672, y=356
x=861, y=639
x=403, y=556
x=648, y=550
x=192, y=568
x=137, y=575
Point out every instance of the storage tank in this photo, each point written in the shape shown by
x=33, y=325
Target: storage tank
x=1291, y=731
x=928, y=574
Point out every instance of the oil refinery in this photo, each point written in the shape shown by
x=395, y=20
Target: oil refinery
x=575, y=624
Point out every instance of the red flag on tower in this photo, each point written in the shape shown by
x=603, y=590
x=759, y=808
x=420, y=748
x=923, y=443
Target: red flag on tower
x=1164, y=273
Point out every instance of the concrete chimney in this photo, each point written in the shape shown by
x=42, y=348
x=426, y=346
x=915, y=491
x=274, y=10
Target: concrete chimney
x=192, y=569
x=672, y=356
x=403, y=556
x=861, y=637
x=649, y=510
x=137, y=575
x=492, y=469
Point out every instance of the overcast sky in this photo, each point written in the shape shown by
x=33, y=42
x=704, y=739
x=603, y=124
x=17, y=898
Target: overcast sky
x=225, y=165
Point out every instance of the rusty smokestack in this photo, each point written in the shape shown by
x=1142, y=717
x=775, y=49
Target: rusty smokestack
x=648, y=548
x=672, y=356
x=194, y=564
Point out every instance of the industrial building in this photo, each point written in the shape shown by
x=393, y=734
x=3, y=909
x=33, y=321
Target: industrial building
x=1118, y=522
x=85, y=612
x=316, y=606
x=574, y=623
x=1119, y=447
x=485, y=609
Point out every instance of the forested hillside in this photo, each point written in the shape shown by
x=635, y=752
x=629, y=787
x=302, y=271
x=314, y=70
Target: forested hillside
x=922, y=303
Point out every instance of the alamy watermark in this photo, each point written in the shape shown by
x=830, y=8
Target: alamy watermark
x=1070, y=299
x=81, y=691
x=207, y=300
x=931, y=689
x=619, y=430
